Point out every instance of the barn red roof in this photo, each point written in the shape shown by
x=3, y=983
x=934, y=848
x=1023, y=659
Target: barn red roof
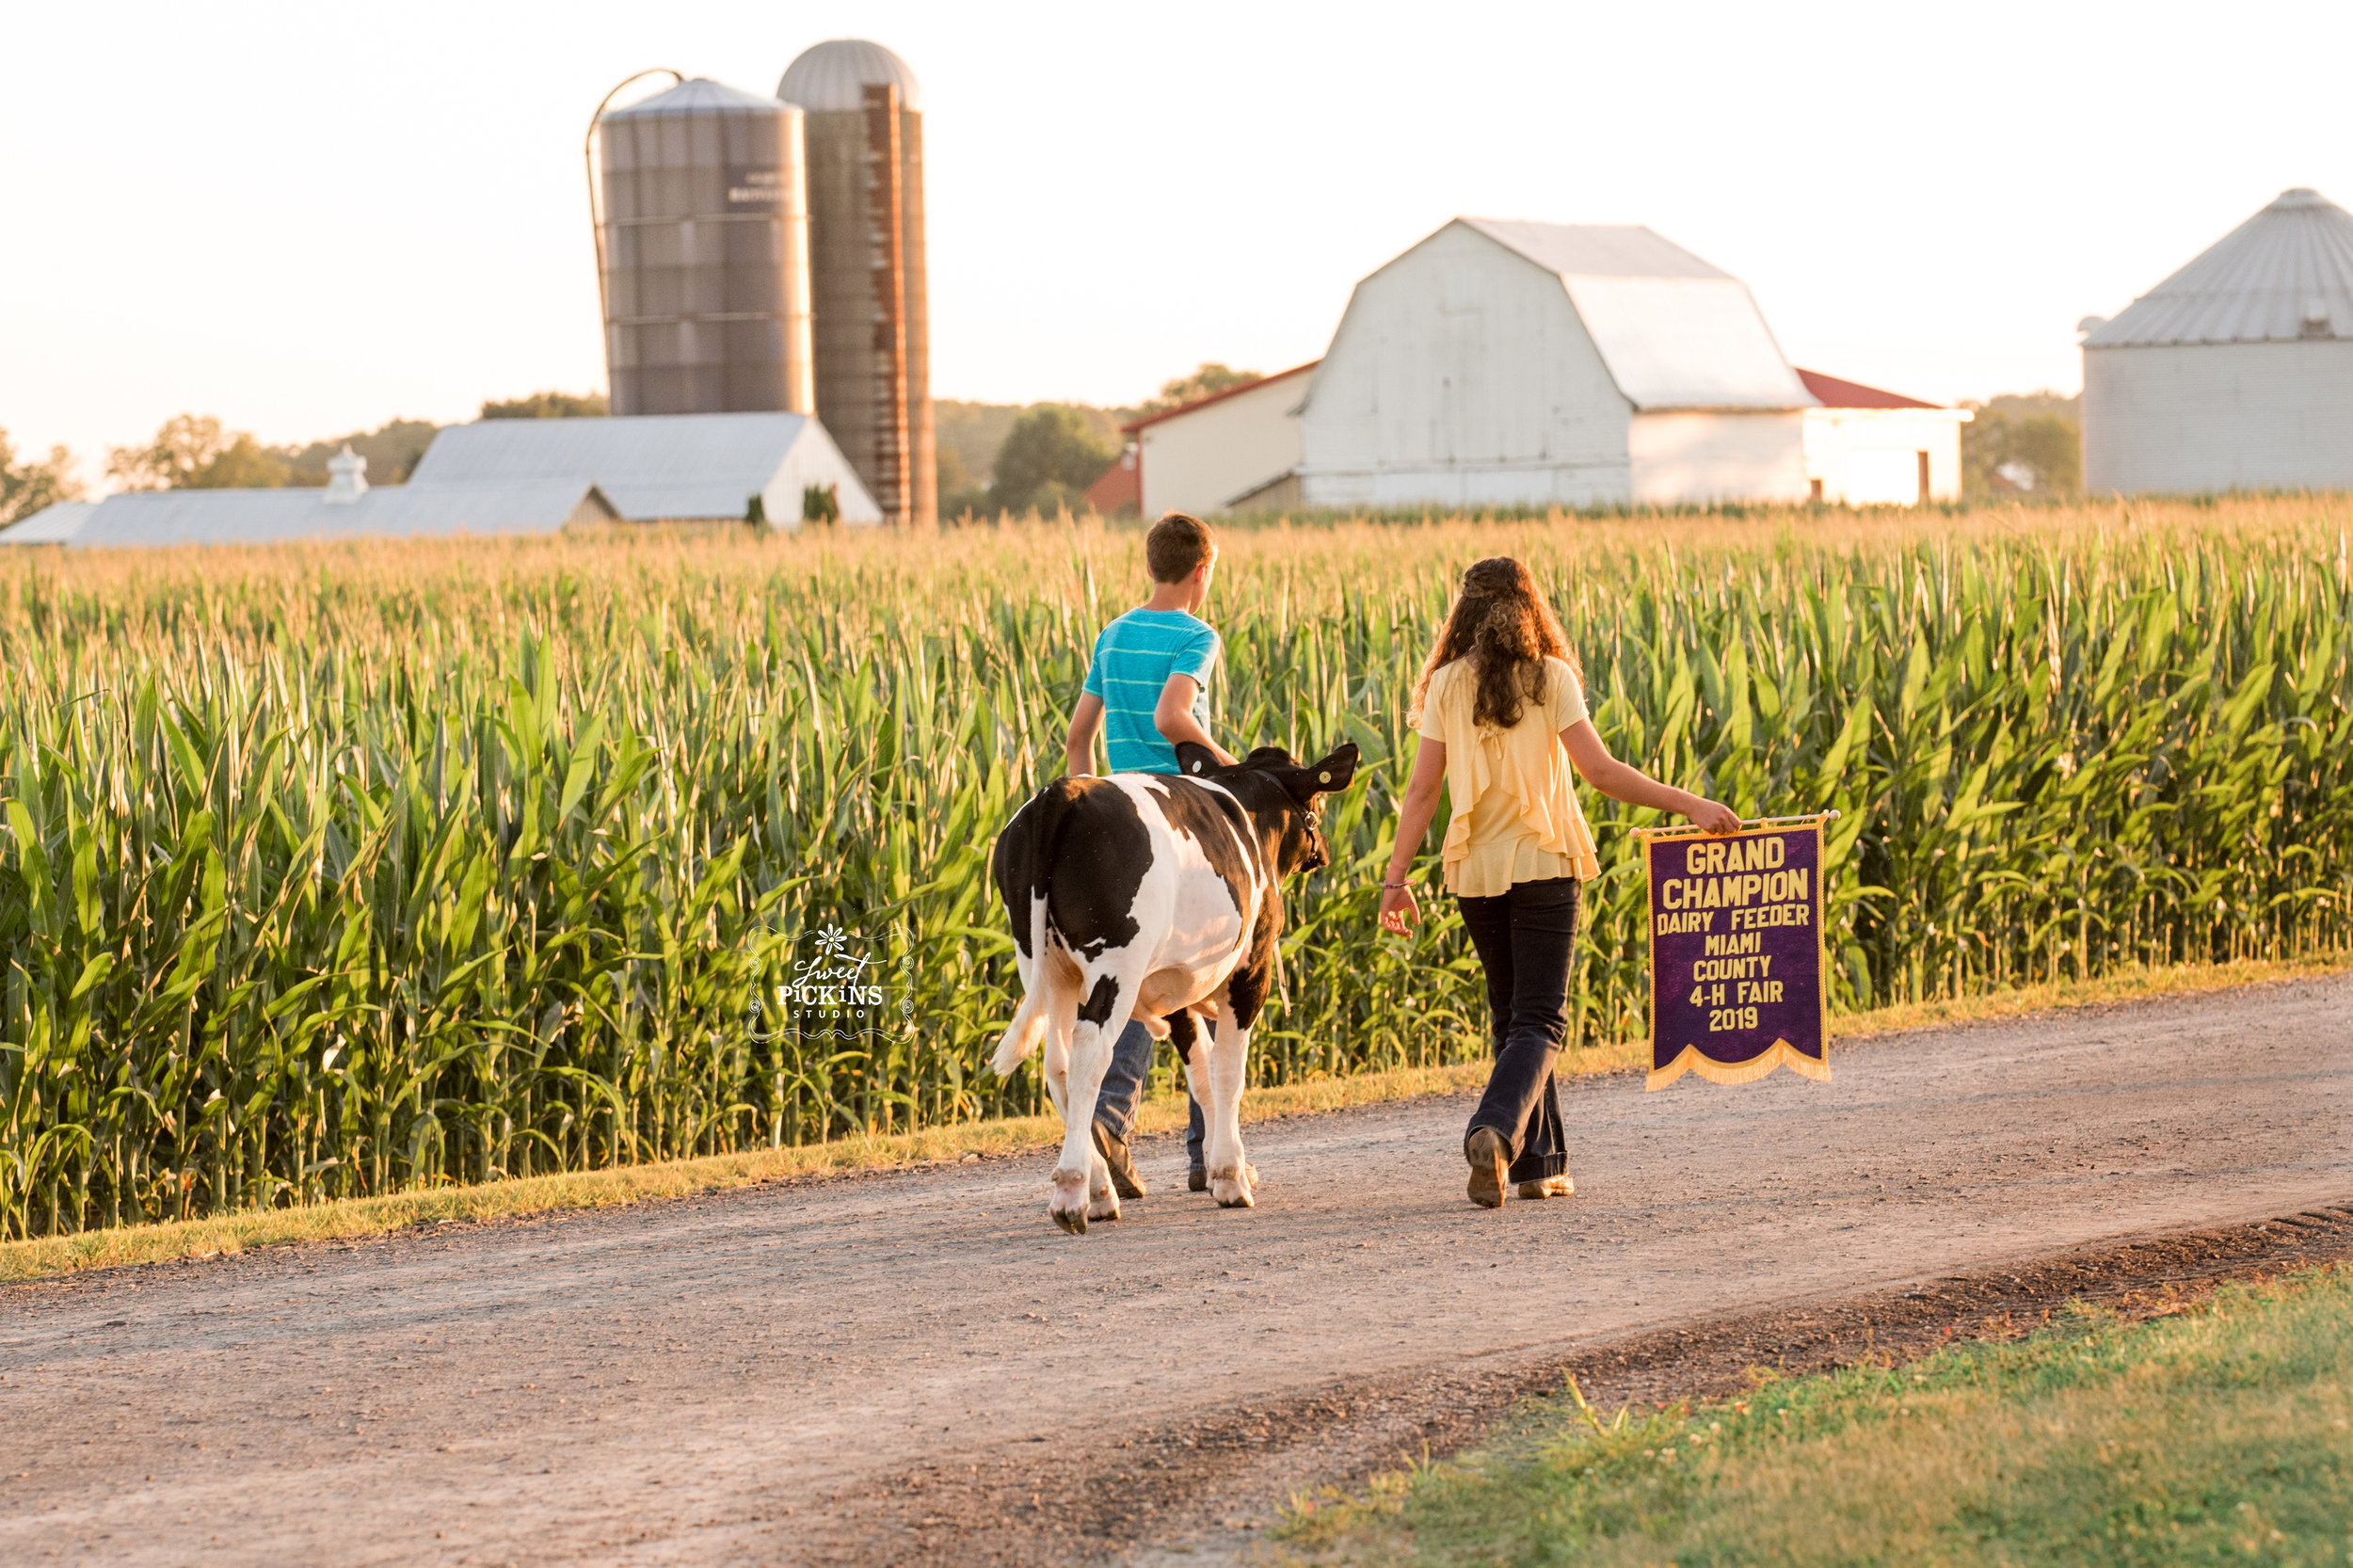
x=1219, y=397
x=1835, y=393
x=1121, y=485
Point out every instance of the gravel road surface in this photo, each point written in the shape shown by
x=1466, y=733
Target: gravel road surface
x=916, y=1366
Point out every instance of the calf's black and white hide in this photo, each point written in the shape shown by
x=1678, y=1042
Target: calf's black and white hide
x=1142, y=895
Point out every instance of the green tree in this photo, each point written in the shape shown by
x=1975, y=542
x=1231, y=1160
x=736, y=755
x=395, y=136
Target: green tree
x=958, y=493
x=1207, y=381
x=28, y=486
x=1048, y=460
x=549, y=405
x=2053, y=448
x=2023, y=441
x=191, y=452
x=244, y=464
x=392, y=451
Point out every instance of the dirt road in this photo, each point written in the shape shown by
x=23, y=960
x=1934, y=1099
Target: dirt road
x=890, y=1368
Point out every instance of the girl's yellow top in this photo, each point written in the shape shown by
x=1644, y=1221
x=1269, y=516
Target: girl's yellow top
x=1515, y=812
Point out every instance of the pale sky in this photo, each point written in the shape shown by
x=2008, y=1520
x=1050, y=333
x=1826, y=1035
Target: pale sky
x=306, y=219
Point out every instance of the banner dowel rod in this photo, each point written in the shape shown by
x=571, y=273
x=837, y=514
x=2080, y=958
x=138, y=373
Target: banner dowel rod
x=1746, y=823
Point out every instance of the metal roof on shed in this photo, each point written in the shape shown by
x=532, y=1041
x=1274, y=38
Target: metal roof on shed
x=159, y=518
x=1834, y=392
x=56, y=523
x=1676, y=331
x=833, y=75
x=2286, y=273
x=652, y=466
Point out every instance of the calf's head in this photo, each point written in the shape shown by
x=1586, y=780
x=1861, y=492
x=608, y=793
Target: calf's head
x=1283, y=796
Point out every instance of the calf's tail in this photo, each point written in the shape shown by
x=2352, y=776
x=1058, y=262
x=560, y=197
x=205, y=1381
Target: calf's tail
x=1029, y=1028
x=1023, y=867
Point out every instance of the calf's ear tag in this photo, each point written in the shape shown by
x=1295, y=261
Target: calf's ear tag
x=1324, y=777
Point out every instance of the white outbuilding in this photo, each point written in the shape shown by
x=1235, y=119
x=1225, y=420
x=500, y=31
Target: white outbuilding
x=1508, y=363
x=56, y=523
x=661, y=466
x=1234, y=451
x=346, y=507
x=2235, y=373
x=1867, y=446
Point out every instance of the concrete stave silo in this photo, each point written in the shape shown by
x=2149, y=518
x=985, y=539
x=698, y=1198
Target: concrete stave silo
x=864, y=140
x=705, y=237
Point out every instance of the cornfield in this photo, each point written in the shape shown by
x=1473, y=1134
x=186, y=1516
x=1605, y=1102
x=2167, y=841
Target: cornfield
x=351, y=870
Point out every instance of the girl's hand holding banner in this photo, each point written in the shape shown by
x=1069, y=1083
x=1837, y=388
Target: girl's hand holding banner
x=1736, y=948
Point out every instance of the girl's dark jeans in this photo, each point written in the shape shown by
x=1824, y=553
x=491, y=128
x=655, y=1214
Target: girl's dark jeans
x=1524, y=940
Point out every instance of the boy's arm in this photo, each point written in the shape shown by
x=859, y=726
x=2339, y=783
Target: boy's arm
x=1087, y=722
x=1174, y=718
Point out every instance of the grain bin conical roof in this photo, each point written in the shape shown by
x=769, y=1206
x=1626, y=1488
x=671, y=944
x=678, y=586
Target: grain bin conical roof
x=832, y=76
x=2286, y=273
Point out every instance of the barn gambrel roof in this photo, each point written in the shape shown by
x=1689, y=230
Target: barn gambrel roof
x=1676, y=331
x=2286, y=273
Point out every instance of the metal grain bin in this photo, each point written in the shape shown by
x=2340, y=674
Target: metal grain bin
x=864, y=135
x=706, y=253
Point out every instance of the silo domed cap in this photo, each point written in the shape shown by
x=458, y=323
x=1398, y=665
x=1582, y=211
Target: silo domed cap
x=695, y=95
x=832, y=76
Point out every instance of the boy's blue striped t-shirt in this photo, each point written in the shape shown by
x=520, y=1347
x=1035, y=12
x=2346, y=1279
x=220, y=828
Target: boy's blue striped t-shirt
x=1133, y=659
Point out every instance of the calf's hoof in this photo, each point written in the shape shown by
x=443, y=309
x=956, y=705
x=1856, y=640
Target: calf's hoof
x=1197, y=1179
x=1104, y=1207
x=1232, y=1189
x=1068, y=1206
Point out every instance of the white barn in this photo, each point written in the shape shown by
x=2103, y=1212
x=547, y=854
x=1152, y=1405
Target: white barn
x=1502, y=363
x=2235, y=373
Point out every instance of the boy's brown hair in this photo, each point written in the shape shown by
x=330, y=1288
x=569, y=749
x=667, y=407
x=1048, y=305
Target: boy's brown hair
x=1177, y=544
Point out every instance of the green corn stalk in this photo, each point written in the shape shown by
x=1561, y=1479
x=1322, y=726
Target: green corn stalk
x=350, y=871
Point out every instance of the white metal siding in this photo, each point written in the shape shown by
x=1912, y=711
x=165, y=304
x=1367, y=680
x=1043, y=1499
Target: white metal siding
x=1839, y=442
x=2186, y=419
x=815, y=459
x=1204, y=460
x=1692, y=458
x=1461, y=375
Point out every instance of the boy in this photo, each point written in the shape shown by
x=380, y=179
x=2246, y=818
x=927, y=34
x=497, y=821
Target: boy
x=1146, y=689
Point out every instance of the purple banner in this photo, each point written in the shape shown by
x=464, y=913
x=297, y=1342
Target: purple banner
x=1735, y=954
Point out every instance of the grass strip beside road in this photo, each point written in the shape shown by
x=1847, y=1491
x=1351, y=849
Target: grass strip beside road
x=349, y=1219
x=2219, y=1433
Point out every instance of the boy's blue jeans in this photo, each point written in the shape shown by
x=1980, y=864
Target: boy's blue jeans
x=1123, y=1089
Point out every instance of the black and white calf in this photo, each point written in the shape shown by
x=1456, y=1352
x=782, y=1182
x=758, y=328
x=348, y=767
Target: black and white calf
x=1143, y=896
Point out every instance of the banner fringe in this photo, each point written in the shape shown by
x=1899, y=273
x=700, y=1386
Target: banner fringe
x=1781, y=1053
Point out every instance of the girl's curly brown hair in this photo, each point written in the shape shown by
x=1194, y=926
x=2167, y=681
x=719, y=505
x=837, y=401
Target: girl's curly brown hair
x=1502, y=624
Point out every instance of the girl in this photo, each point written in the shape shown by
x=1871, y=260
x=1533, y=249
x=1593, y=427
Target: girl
x=1497, y=705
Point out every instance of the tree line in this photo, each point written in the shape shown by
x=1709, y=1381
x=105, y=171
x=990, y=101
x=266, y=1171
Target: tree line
x=1043, y=457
